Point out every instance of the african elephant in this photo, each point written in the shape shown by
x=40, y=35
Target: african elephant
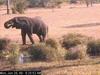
x=28, y=26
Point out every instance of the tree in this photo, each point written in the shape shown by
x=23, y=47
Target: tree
x=8, y=6
x=89, y=2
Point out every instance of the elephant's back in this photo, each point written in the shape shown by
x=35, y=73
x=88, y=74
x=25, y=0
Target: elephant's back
x=37, y=21
x=38, y=25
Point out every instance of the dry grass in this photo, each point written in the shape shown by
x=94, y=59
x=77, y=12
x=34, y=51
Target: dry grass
x=80, y=70
x=76, y=67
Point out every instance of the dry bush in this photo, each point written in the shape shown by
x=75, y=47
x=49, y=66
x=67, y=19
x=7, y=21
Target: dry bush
x=19, y=6
x=13, y=54
x=37, y=52
x=45, y=3
x=72, y=1
x=42, y=51
x=78, y=52
x=51, y=42
x=10, y=56
x=2, y=2
x=4, y=43
x=72, y=40
x=93, y=48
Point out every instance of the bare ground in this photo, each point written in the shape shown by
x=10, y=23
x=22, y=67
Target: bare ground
x=58, y=21
x=72, y=67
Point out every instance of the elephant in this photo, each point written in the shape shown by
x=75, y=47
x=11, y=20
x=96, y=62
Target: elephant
x=28, y=26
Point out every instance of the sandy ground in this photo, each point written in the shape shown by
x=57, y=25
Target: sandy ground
x=61, y=21
x=58, y=20
x=75, y=67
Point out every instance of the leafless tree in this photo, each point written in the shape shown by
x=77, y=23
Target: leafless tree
x=8, y=7
x=89, y=2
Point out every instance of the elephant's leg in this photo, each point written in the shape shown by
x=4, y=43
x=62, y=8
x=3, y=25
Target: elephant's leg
x=30, y=37
x=23, y=33
x=44, y=36
x=40, y=37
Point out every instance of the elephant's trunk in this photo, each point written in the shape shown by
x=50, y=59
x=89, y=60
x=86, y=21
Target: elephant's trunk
x=7, y=25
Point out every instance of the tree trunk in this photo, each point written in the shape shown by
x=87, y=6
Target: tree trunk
x=8, y=6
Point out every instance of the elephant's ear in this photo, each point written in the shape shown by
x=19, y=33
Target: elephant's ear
x=21, y=22
x=17, y=20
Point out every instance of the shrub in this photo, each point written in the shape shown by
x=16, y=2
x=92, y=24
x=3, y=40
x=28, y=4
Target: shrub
x=93, y=48
x=78, y=52
x=42, y=51
x=10, y=56
x=51, y=42
x=45, y=3
x=73, y=1
x=72, y=40
x=13, y=54
x=14, y=11
x=71, y=56
x=37, y=52
x=19, y=6
x=4, y=43
x=2, y=2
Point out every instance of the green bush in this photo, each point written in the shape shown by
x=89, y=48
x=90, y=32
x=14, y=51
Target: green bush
x=93, y=48
x=4, y=43
x=51, y=42
x=72, y=40
x=78, y=52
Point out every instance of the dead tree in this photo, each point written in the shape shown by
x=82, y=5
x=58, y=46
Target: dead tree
x=89, y=2
x=8, y=7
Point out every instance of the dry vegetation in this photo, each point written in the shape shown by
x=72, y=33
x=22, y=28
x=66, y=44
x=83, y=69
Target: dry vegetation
x=60, y=22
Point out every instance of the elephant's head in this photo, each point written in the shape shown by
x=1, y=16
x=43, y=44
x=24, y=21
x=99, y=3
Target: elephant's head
x=16, y=22
x=9, y=23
